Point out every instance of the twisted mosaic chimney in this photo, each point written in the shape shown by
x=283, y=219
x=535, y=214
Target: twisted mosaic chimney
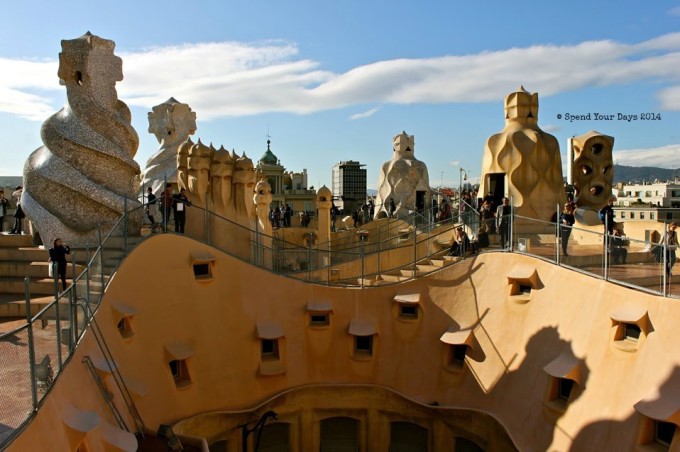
x=81, y=176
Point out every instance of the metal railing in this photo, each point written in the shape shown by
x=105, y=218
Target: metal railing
x=386, y=251
x=33, y=355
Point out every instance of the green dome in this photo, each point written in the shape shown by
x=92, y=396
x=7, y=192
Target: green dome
x=269, y=158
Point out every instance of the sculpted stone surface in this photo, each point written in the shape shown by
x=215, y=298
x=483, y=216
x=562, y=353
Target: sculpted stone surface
x=223, y=183
x=263, y=239
x=403, y=178
x=592, y=171
x=172, y=123
x=81, y=176
x=523, y=161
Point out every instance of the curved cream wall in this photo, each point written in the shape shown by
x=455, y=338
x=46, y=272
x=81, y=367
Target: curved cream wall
x=513, y=340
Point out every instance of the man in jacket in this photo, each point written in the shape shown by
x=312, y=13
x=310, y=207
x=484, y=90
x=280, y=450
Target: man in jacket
x=503, y=222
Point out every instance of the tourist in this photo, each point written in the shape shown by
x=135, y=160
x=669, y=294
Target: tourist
x=488, y=219
x=277, y=218
x=356, y=217
x=19, y=214
x=58, y=254
x=287, y=214
x=180, y=202
x=607, y=216
x=461, y=243
x=503, y=222
x=567, y=220
x=393, y=208
x=335, y=212
x=166, y=205
x=371, y=210
x=489, y=198
x=619, y=253
x=365, y=213
x=150, y=206
x=444, y=211
x=4, y=204
x=670, y=240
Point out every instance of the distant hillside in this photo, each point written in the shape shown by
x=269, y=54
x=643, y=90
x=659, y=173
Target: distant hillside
x=627, y=174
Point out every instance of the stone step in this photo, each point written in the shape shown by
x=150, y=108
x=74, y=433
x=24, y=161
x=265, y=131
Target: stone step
x=37, y=286
x=440, y=262
x=451, y=259
x=39, y=269
x=375, y=281
x=14, y=305
x=409, y=273
x=26, y=254
x=392, y=277
x=426, y=268
x=15, y=240
x=119, y=242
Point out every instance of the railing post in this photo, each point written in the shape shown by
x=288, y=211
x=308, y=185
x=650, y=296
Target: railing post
x=72, y=304
x=125, y=227
x=101, y=261
x=558, y=234
x=256, y=258
x=57, y=324
x=511, y=238
x=31, y=344
x=379, y=248
x=206, y=224
x=606, y=248
x=55, y=278
x=164, y=205
x=362, y=261
x=309, y=256
x=664, y=250
x=415, y=243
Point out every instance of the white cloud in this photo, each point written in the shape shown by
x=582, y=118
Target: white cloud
x=674, y=11
x=234, y=79
x=670, y=98
x=663, y=157
x=454, y=163
x=365, y=114
x=550, y=128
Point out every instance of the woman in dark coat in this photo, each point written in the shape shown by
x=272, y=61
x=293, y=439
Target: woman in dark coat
x=58, y=254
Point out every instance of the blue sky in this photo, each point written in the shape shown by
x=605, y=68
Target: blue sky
x=336, y=81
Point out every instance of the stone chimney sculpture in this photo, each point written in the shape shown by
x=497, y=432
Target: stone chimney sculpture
x=403, y=178
x=172, y=123
x=84, y=175
x=523, y=162
x=592, y=173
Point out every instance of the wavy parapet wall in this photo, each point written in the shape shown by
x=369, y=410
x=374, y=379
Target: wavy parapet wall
x=84, y=175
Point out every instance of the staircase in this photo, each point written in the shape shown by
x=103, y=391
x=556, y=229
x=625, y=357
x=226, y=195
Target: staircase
x=20, y=258
x=424, y=266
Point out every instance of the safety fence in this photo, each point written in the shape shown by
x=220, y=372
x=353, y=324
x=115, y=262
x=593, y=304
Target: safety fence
x=639, y=264
x=33, y=354
x=386, y=251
